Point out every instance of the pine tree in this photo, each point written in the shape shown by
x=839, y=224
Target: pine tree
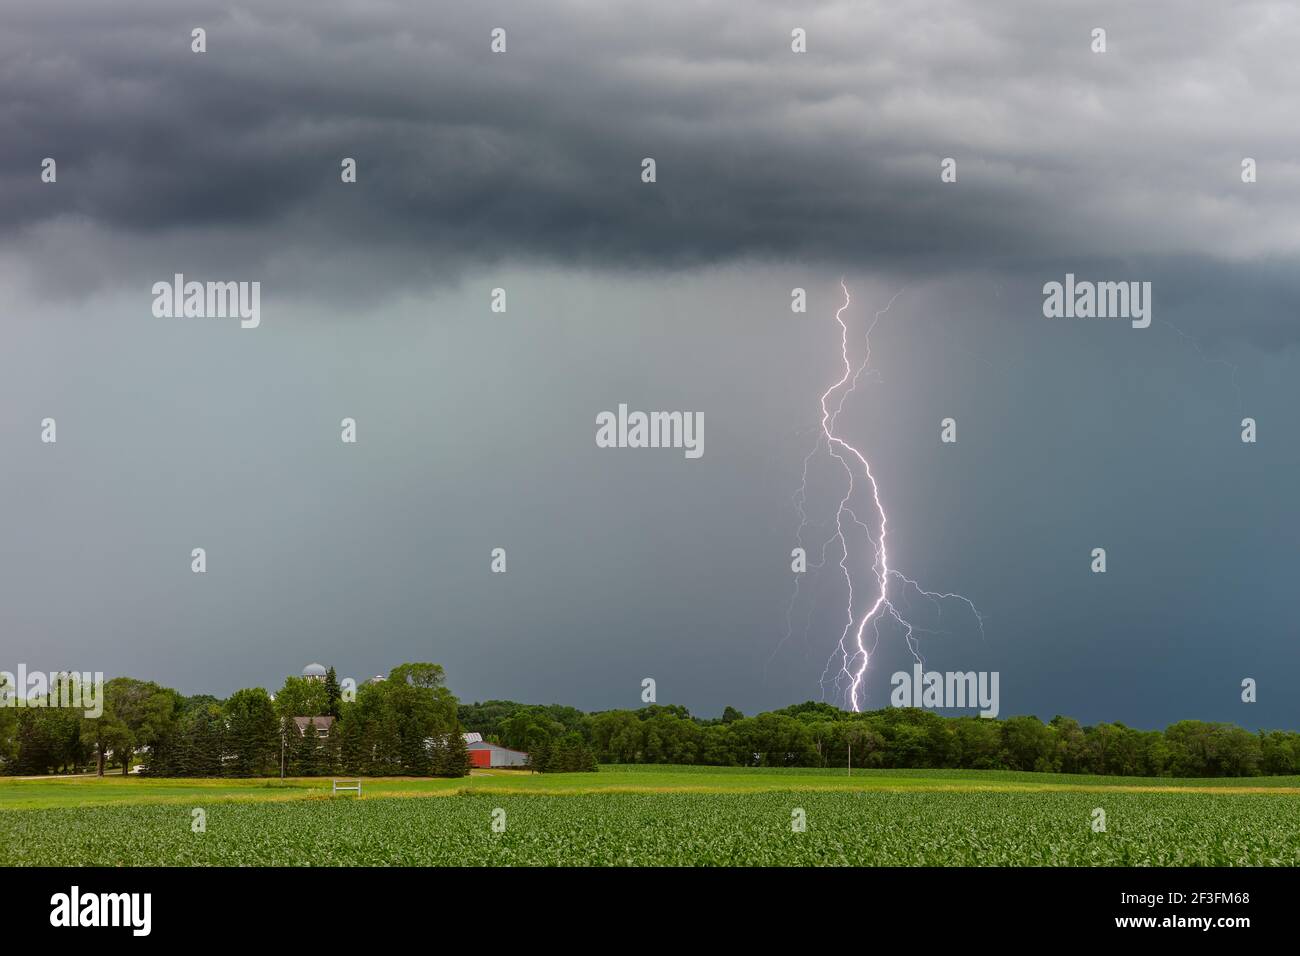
x=438, y=755
x=539, y=755
x=306, y=750
x=253, y=733
x=333, y=696
x=414, y=752
x=202, y=743
x=214, y=739
x=560, y=759
x=569, y=754
x=162, y=758
x=182, y=753
x=35, y=746
x=455, y=761
x=331, y=751
x=351, y=750
x=584, y=758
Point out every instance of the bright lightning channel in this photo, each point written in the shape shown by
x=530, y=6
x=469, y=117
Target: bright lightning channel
x=852, y=651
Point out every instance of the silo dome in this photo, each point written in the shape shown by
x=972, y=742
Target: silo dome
x=313, y=670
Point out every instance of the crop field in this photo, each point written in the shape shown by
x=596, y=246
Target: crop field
x=657, y=816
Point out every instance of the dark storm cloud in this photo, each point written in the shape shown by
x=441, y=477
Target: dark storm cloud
x=831, y=156
x=522, y=170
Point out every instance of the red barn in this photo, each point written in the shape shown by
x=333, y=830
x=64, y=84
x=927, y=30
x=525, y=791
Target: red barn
x=484, y=754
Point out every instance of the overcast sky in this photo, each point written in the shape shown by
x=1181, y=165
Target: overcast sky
x=522, y=171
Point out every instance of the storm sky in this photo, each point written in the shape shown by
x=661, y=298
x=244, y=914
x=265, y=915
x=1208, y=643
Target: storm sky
x=775, y=170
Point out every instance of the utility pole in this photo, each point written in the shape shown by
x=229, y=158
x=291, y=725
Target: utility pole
x=282, y=750
x=850, y=758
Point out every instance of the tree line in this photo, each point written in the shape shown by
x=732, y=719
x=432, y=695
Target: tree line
x=816, y=734
x=410, y=724
x=405, y=725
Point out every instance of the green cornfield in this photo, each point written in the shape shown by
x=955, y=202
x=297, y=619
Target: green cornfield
x=863, y=828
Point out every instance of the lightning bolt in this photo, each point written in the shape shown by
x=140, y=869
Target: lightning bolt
x=1195, y=344
x=852, y=651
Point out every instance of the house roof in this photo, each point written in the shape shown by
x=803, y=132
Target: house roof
x=320, y=723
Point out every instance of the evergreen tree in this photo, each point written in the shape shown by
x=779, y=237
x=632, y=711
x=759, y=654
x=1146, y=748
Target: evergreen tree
x=36, y=746
x=568, y=754
x=456, y=754
x=584, y=758
x=186, y=759
x=539, y=756
x=205, y=743
x=348, y=733
x=438, y=755
x=331, y=751
x=163, y=757
x=333, y=695
x=560, y=759
x=305, y=749
x=253, y=733
x=415, y=756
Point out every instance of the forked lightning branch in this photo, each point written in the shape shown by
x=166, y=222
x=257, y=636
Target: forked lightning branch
x=860, y=540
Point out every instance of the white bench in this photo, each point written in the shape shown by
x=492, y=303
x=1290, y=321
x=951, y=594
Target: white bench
x=347, y=785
